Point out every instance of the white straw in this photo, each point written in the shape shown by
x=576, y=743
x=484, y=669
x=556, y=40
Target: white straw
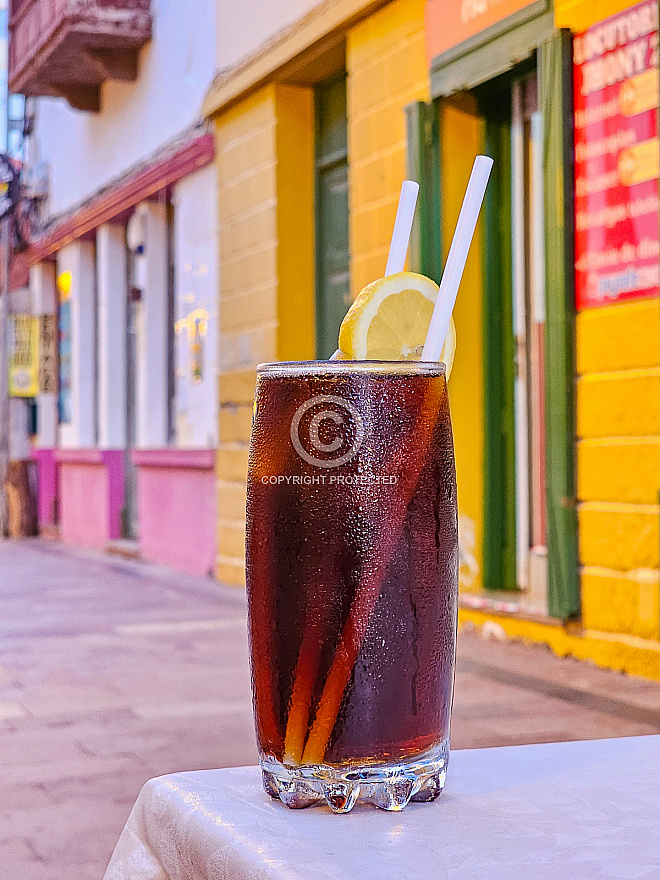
x=458, y=252
x=396, y=261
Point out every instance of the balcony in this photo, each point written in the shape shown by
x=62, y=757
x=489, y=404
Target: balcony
x=67, y=48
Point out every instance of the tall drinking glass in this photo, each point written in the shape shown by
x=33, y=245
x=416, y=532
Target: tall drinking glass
x=352, y=576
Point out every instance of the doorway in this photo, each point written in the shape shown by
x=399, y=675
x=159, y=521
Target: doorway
x=529, y=337
x=523, y=118
x=515, y=540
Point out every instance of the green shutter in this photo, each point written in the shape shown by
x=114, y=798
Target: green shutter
x=423, y=165
x=332, y=255
x=499, y=360
x=556, y=105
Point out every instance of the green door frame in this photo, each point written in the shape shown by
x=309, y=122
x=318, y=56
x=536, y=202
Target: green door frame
x=556, y=87
x=422, y=151
x=331, y=158
x=458, y=71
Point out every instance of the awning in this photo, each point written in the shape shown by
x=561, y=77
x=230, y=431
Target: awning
x=179, y=158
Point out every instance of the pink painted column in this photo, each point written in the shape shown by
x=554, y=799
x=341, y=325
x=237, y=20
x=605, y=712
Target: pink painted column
x=177, y=507
x=91, y=492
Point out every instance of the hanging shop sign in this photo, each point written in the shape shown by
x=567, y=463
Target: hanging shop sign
x=616, y=158
x=24, y=356
x=47, y=354
x=450, y=22
x=9, y=186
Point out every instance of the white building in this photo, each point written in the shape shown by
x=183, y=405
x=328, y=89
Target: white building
x=125, y=256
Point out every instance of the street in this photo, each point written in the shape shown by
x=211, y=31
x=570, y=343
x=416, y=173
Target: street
x=114, y=671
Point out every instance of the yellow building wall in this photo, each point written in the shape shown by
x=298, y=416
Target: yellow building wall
x=386, y=65
x=264, y=155
x=461, y=141
x=265, y=160
x=578, y=15
x=296, y=229
x=618, y=466
x=618, y=470
x=618, y=452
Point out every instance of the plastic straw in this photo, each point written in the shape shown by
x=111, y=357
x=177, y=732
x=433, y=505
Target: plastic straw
x=396, y=261
x=458, y=252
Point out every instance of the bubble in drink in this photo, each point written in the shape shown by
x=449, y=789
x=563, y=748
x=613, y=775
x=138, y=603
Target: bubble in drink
x=352, y=571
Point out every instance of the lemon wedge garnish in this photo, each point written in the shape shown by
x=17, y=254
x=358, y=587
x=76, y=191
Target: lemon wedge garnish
x=389, y=321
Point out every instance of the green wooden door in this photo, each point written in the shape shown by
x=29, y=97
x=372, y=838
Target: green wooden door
x=499, y=572
x=332, y=260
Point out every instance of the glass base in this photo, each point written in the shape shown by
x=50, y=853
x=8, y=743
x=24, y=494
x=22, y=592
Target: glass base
x=387, y=786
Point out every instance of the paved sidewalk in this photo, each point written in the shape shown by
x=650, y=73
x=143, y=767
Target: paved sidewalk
x=113, y=671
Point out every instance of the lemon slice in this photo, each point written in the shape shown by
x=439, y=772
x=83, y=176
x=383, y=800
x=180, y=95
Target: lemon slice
x=389, y=321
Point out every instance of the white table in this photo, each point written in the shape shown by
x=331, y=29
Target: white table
x=561, y=811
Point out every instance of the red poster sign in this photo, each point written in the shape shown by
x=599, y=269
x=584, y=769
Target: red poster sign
x=616, y=158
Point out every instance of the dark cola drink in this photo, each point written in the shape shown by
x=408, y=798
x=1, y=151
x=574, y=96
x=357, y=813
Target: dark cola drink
x=352, y=577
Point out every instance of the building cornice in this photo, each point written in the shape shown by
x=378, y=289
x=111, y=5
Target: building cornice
x=177, y=159
x=288, y=51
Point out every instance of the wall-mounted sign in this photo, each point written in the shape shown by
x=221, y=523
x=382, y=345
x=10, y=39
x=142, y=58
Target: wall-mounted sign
x=9, y=186
x=47, y=354
x=617, y=158
x=24, y=356
x=449, y=22
x=195, y=327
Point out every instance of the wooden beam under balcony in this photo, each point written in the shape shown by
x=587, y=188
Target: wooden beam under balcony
x=64, y=48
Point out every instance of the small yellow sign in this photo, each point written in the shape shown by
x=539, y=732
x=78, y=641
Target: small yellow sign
x=639, y=93
x=639, y=163
x=24, y=356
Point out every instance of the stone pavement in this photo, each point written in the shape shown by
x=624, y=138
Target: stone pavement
x=114, y=671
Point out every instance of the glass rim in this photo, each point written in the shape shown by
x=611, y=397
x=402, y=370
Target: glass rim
x=281, y=369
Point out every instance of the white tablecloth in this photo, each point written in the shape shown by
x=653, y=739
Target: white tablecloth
x=561, y=811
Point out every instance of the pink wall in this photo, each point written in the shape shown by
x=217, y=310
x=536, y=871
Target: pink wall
x=91, y=491
x=47, y=486
x=177, y=507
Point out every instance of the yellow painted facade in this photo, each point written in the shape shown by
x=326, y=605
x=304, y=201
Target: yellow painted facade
x=578, y=15
x=618, y=465
x=627, y=653
x=385, y=49
x=618, y=454
x=264, y=150
x=265, y=157
x=460, y=124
